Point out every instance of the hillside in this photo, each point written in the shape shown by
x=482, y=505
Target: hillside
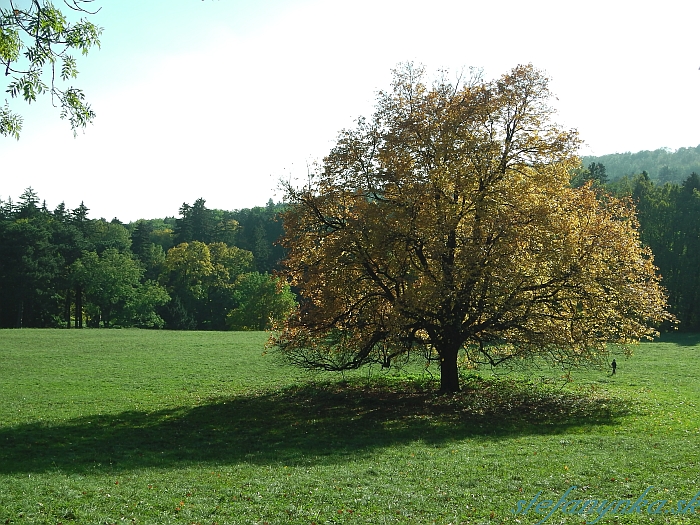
x=662, y=165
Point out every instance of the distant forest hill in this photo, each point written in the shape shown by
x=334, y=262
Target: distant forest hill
x=661, y=165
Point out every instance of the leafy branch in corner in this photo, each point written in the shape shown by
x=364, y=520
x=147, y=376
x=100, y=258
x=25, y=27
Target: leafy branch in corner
x=37, y=44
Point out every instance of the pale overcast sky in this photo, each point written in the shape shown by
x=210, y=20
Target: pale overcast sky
x=221, y=98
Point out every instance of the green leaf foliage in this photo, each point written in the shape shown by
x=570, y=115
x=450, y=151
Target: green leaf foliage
x=114, y=292
x=36, y=40
x=263, y=301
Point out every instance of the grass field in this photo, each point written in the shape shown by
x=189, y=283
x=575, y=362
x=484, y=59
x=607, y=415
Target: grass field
x=154, y=427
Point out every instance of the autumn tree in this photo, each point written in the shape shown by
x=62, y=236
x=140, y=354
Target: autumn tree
x=445, y=225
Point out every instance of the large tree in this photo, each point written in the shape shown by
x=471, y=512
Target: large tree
x=37, y=46
x=447, y=224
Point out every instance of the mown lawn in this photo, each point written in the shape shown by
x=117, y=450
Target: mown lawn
x=155, y=427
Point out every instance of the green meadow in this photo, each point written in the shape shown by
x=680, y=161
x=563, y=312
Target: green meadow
x=153, y=427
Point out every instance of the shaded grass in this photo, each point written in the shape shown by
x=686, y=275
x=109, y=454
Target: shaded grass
x=128, y=426
x=323, y=420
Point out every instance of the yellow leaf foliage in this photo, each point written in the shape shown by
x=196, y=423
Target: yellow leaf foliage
x=447, y=223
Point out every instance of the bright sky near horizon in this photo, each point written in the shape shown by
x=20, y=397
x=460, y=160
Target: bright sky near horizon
x=221, y=99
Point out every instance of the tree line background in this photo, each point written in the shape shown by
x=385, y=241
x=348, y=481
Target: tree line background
x=661, y=165
x=212, y=269
x=206, y=270
x=665, y=188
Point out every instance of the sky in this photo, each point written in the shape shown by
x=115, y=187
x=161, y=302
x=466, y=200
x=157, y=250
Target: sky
x=222, y=99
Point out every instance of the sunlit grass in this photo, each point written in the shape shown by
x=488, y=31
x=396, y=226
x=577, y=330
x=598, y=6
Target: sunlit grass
x=128, y=426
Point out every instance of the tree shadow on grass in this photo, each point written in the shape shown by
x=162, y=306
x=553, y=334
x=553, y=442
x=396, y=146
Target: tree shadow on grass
x=320, y=423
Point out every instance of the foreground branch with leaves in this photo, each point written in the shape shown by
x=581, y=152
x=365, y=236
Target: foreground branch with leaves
x=447, y=224
x=36, y=43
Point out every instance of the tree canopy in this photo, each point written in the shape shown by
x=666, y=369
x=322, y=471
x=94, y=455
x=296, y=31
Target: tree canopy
x=446, y=225
x=111, y=283
x=36, y=46
x=263, y=300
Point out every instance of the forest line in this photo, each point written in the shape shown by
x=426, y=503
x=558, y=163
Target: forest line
x=207, y=270
x=213, y=269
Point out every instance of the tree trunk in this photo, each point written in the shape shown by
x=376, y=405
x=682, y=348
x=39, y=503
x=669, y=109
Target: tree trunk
x=449, y=375
x=66, y=308
x=78, y=306
x=20, y=313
